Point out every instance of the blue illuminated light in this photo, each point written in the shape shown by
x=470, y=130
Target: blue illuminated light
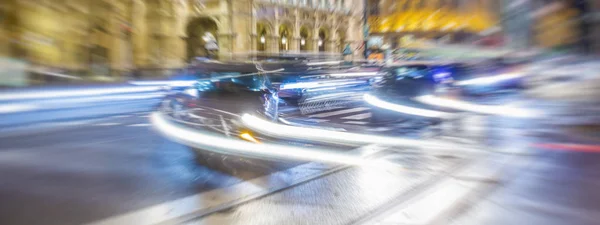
x=441, y=77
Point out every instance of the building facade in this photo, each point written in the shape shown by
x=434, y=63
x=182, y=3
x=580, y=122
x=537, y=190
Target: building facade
x=113, y=36
x=517, y=23
x=553, y=24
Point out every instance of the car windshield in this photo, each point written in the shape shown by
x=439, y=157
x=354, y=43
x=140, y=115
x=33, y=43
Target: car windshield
x=253, y=82
x=411, y=71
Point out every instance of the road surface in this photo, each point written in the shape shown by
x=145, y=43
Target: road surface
x=116, y=169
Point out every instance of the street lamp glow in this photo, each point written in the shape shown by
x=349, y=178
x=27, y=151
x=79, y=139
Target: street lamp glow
x=302, y=42
x=283, y=40
x=262, y=39
x=320, y=42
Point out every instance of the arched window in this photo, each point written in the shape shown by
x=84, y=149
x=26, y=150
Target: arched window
x=321, y=41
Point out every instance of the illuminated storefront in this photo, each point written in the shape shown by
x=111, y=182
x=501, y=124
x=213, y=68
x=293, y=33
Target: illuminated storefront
x=429, y=20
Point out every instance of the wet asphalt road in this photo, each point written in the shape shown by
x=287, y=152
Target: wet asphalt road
x=110, y=166
x=88, y=172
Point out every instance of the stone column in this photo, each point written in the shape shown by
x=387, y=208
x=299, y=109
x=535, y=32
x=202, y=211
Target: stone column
x=315, y=40
x=119, y=45
x=227, y=34
x=40, y=40
x=273, y=44
x=155, y=38
x=243, y=24
x=315, y=47
x=330, y=46
x=139, y=34
x=253, y=42
x=226, y=43
x=5, y=27
x=294, y=44
x=173, y=48
x=119, y=53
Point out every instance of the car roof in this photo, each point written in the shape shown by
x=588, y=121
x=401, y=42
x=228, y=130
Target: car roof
x=420, y=63
x=247, y=67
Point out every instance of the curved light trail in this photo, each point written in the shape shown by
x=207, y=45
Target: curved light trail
x=483, y=109
x=489, y=80
x=204, y=140
x=404, y=109
x=329, y=136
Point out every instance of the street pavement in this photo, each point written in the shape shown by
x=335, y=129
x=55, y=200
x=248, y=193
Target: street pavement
x=91, y=171
x=558, y=187
x=116, y=169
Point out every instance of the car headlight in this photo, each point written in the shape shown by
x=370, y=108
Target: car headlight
x=191, y=92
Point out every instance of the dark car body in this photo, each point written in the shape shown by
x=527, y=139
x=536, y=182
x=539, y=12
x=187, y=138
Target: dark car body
x=215, y=104
x=400, y=84
x=488, y=76
x=326, y=89
x=221, y=96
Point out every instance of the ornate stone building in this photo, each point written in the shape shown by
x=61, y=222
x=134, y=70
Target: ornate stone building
x=112, y=36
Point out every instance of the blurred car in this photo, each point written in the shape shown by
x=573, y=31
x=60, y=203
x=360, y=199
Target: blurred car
x=489, y=76
x=222, y=96
x=392, y=97
x=215, y=106
x=322, y=90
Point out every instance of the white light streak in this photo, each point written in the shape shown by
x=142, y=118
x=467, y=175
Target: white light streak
x=172, y=83
x=490, y=79
x=140, y=125
x=329, y=136
x=71, y=102
x=324, y=63
x=14, y=108
x=483, y=109
x=404, y=109
x=206, y=141
x=75, y=93
x=57, y=75
x=318, y=84
x=357, y=74
x=191, y=92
